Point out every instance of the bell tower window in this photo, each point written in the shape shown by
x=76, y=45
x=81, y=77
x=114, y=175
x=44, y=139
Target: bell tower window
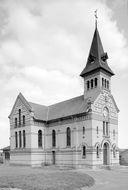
x=103, y=82
x=91, y=83
x=88, y=85
x=107, y=84
x=95, y=82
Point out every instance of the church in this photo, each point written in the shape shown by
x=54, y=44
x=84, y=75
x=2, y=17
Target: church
x=79, y=132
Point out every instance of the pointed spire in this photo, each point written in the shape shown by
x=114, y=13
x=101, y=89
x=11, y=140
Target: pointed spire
x=97, y=59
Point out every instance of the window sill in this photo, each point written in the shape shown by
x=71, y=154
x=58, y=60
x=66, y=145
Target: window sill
x=68, y=146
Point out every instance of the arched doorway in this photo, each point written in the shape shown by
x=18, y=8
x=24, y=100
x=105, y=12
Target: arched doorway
x=106, y=154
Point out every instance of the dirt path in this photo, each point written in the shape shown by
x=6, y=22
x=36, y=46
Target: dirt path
x=116, y=179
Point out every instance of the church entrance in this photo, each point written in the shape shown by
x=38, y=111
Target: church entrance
x=106, y=154
x=53, y=157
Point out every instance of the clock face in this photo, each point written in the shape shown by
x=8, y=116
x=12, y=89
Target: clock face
x=105, y=112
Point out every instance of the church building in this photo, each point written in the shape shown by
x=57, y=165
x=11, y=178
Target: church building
x=79, y=132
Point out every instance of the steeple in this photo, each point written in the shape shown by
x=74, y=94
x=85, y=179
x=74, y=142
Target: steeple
x=97, y=59
x=96, y=74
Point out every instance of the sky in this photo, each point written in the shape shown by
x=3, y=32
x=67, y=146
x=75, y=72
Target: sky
x=44, y=45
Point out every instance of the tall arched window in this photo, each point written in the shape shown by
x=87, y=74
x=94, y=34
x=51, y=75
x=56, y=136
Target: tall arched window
x=20, y=140
x=95, y=82
x=24, y=139
x=68, y=136
x=91, y=83
x=23, y=119
x=39, y=138
x=88, y=85
x=84, y=151
x=19, y=117
x=15, y=122
x=83, y=130
x=97, y=151
x=53, y=138
x=16, y=140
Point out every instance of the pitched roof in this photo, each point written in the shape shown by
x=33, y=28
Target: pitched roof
x=74, y=106
x=40, y=111
x=6, y=148
x=97, y=58
x=66, y=108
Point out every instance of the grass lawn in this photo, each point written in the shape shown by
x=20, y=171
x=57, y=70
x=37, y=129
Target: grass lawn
x=42, y=178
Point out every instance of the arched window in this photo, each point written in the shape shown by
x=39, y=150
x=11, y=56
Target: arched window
x=15, y=122
x=16, y=140
x=24, y=139
x=20, y=140
x=97, y=130
x=88, y=85
x=39, y=138
x=91, y=83
x=97, y=151
x=114, y=152
x=103, y=82
x=83, y=130
x=84, y=151
x=19, y=117
x=68, y=136
x=107, y=84
x=23, y=119
x=53, y=138
x=95, y=82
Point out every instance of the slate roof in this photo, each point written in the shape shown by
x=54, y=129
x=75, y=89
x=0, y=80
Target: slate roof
x=66, y=108
x=97, y=58
x=74, y=106
x=40, y=111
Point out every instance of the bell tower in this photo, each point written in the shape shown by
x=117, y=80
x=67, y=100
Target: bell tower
x=96, y=74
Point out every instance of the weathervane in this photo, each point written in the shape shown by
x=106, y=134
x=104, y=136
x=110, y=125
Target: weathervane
x=96, y=17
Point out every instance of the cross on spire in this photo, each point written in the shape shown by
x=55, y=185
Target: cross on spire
x=96, y=17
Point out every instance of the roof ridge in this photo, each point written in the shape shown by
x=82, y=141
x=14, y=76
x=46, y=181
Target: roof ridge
x=37, y=104
x=66, y=100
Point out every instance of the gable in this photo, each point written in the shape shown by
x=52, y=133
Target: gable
x=105, y=100
x=20, y=103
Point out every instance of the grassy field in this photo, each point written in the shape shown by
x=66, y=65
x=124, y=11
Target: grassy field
x=47, y=178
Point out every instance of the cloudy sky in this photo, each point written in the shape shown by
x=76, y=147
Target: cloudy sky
x=44, y=46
